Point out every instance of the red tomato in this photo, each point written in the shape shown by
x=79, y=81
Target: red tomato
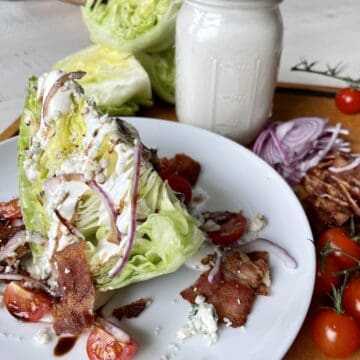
x=335, y=334
x=232, y=227
x=10, y=209
x=101, y=346
x=325, y=279
x=178, y=184
x=352, y=298
x=25, y=304
x=348, y=100
x=338, y=240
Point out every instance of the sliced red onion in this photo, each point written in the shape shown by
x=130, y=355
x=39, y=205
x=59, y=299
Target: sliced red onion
x=29, y=280
x=58, y=85
x=352, y=165
x=281, y=253
x=17, y=222
x=119, y=265
x=14, y=242
x=114, y=330
x=293, y=147
x=216, y=268
x=115, y=235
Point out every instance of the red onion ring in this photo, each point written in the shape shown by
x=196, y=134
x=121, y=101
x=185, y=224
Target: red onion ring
x=14, y=242
x=57, y=85
x=115, y=235
x=216, y=268
x=27, y=279
x=277, y=250
x=119, y=265
x=114, y=330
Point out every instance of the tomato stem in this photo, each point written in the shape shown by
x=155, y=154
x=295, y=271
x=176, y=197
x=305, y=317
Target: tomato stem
x=327, y=250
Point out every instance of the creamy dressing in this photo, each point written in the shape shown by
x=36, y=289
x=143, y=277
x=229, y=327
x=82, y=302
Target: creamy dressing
x=63, y=196
x=227, y=58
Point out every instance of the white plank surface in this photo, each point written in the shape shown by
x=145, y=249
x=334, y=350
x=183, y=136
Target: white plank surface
x=35, y=34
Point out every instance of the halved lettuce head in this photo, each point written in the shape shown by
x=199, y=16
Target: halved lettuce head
x=161, y=69
x=132, y=25
x=116, y=80
x=77, y=164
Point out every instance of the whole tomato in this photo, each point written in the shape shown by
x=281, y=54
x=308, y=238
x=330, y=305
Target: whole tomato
x=348, y=100
x=351, y=298
x=325, y=278
x=336, y=335
x=337, y=239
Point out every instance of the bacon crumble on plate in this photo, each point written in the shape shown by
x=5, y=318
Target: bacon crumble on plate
x=131, y=310
x=241, y=277
x=74, y=311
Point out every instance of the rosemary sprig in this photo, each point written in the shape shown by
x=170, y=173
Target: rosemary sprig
x=334, y=72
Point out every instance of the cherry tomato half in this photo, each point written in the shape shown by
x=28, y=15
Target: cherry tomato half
x=179, y=184
x=325, y=279
x=338, y=240
x=101, y=345
x=348, y=100
x=335, y=334
x=25, y=304
x=232, y=227
x=10, y=209
x=352, y=298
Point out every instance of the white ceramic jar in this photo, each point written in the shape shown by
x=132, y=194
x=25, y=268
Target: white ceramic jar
x=227, y=58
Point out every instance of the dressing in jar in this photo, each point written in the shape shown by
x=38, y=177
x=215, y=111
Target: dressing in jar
x=227, y=58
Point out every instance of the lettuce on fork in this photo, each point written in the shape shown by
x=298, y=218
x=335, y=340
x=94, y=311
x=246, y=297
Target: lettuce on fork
x=161, y=69
x=85, y=176
x=115, y=79
x=132, y=25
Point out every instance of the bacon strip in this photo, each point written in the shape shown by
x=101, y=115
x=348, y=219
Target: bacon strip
x=75, y=310
x=242, y=278
x=131, y=310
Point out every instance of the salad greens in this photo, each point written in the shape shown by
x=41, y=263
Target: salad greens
x=132, y=25
x=161, y=69
x=56, y=144
x=115, y=79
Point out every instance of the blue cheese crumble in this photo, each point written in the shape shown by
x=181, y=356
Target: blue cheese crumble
x=202, y=320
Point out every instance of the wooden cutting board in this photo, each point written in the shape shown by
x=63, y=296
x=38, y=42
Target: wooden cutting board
x=291, y=100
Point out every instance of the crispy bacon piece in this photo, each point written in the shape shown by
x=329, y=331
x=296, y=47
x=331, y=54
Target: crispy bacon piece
x=131, y=310
x=242, y=277
x=330, y=199
x=10, y=209
x=75, y=310
x=180, y=164
x=7, y=231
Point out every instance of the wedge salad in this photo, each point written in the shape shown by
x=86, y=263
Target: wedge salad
x=98, y=210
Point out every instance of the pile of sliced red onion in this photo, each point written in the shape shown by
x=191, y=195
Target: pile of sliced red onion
x=295, y=146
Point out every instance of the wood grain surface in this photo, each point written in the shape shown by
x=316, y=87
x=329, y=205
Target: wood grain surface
x=291, y=100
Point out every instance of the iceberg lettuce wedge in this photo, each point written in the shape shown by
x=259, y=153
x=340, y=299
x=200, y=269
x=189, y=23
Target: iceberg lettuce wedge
x=116, y=80
x=132, y=25
x=161, y=69
x=67, y=149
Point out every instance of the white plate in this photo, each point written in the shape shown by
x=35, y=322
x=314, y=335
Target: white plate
x=235, y=179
